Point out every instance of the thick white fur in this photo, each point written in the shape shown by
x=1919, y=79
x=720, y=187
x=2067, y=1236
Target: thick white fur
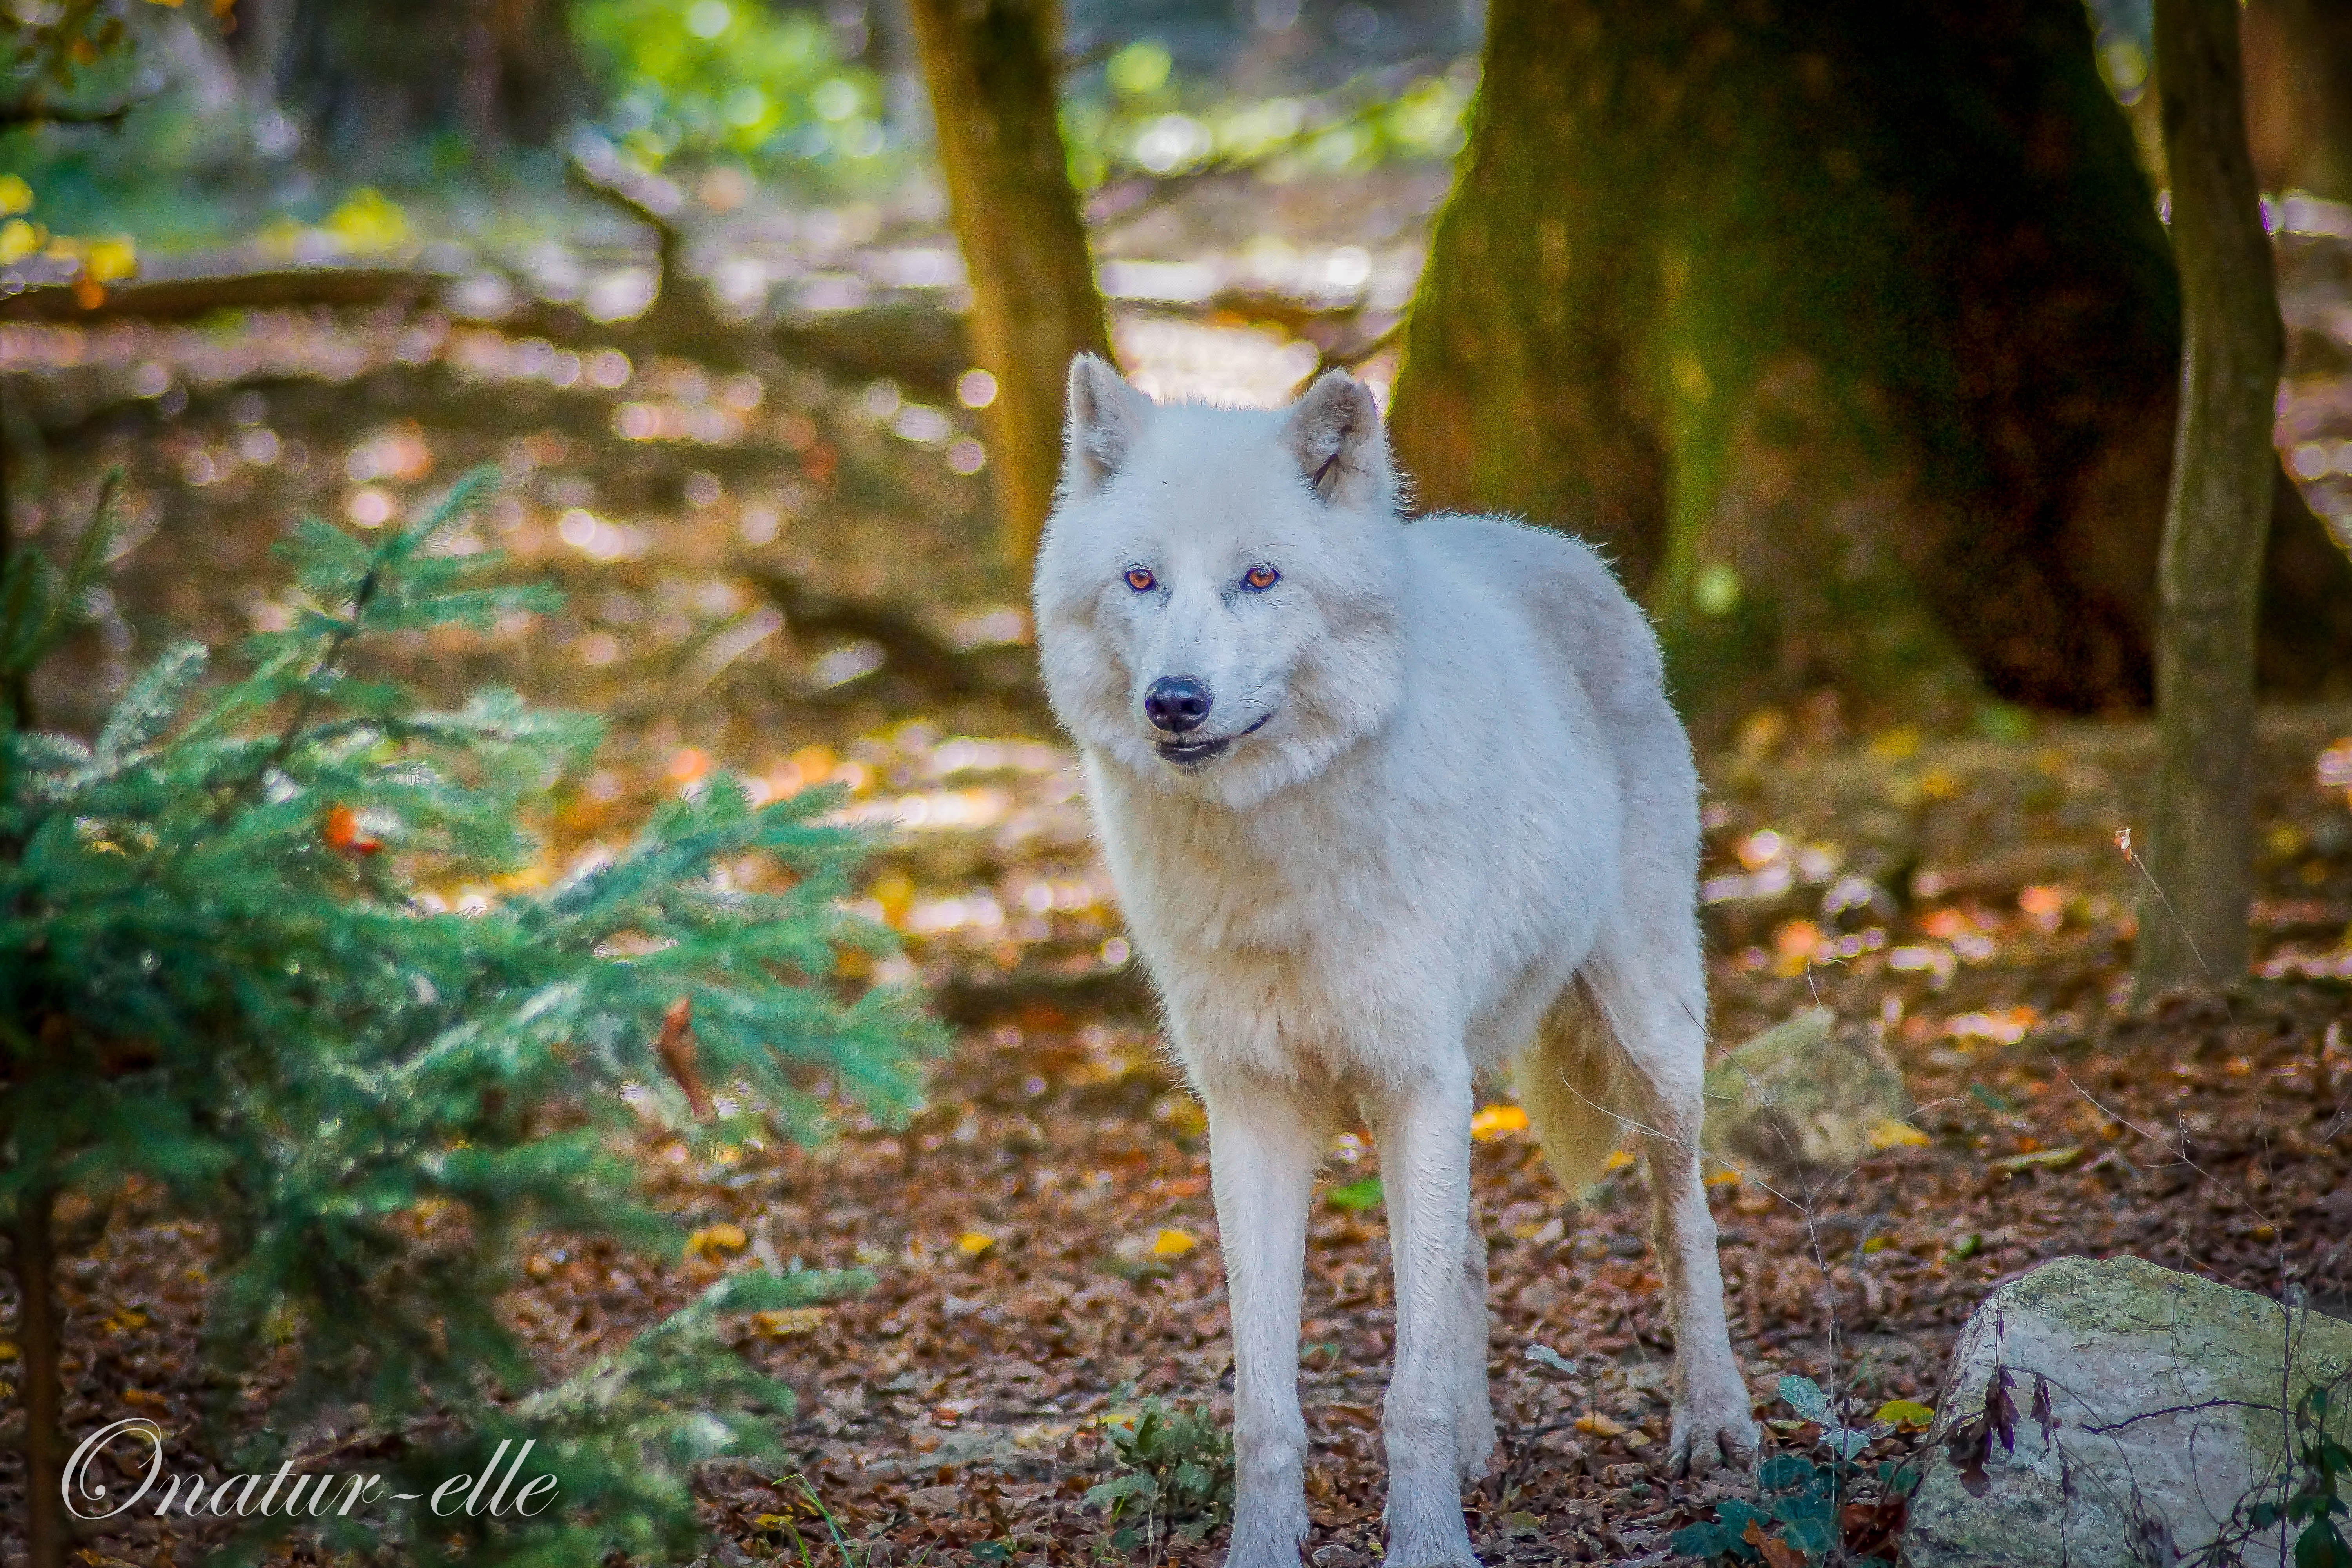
x=1463, y=829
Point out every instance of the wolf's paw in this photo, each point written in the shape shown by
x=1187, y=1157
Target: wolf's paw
x=1433, y=1535
x=1711, y=1427
x=1268, y=1537
x=1476, y=1457
x=1261, y=1554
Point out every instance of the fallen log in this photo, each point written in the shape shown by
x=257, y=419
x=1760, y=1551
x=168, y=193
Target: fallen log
x=919, y=345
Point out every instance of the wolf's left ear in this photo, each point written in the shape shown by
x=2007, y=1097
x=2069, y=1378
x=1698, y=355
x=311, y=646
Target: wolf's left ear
x=1104, y=417
x=1334, y=432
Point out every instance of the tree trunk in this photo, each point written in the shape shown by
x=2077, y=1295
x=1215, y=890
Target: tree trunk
x=369, y=76
x=2201, y=841
x=2298, y=73
x=1847, y=330
x=989, y=65
x=33, y=1260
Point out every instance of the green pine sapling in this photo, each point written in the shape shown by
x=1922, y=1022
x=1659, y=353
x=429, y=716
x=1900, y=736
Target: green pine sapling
x=218, y=981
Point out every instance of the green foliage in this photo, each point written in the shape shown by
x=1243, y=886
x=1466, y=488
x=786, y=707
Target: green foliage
x=2314, y=1492
x=1797, y=1498
x=1353, y=1196
x=704, y=80
x=224, y=979
x=48, y=51
x=1151, y=121
x=1177, y=1472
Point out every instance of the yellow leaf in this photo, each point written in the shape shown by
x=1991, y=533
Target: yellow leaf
x=367, y=220
x=1619, y=1158
x=1173, y=1243
x=975, y=1242
x=896, y=894
x=2050, y=1159
x=16, y=195
x=8, y=1351
x=1899, y=744
x=109, y=260
x=1600, y=1425
x=784, y=1323
x=1892, y=1133
x=18, y=239
x=1907, y=1414
x=1726, y=1179
x=1497, y=1121
x=715, y=1238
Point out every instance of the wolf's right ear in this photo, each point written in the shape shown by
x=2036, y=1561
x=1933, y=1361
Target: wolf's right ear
x=1106, y=414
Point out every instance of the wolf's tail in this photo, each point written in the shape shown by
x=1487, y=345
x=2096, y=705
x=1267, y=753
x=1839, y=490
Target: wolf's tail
x=1566, y=1082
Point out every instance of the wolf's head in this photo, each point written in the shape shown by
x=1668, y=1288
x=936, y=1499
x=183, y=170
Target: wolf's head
x=1219, y=591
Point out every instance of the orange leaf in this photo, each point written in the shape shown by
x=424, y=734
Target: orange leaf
x=676, y=1049
x=341, y=832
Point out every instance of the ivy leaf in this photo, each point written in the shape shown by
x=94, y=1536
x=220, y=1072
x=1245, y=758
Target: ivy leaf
x=1805, y=1397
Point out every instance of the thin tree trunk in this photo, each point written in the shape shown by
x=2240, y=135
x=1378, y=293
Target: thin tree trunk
x=2200, y=843
x=989, y=65
x=33, y=1259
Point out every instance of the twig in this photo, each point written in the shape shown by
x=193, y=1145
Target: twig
x=2181, y=1154
x=2124, y=843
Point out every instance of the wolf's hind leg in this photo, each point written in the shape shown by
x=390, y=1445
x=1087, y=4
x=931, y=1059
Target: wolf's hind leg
x=1654, y=1002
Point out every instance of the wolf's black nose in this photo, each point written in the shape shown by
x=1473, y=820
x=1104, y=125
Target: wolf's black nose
x=1176, y=703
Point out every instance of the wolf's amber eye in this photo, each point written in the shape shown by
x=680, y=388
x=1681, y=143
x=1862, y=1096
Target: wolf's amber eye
x=1261, y=577
x=1141, y=579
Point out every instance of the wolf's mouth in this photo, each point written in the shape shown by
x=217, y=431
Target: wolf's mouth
x=1189, y=756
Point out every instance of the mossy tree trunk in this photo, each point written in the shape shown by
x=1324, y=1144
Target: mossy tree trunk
x=1035, y=303
x=1848, y=330
x=2200, y=843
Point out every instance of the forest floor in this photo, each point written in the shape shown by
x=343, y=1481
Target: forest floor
x=1041, y=1238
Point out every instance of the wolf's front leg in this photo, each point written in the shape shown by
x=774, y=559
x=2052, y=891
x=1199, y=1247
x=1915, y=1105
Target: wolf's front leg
x=1423, y=1129
x=1263, y=1147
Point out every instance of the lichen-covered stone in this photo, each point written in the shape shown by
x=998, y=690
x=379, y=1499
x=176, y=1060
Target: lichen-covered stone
x=1808, y=1093
x=2149, y=1407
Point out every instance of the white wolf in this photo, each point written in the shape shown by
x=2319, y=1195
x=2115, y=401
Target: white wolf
x=1388, y=804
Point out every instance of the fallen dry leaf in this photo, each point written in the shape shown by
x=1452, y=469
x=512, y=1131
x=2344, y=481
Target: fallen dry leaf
x=1494, y=1121
x=714, y=1239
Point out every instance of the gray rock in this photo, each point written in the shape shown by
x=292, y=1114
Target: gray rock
x=2148, y=1413
x=1808, y=1094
